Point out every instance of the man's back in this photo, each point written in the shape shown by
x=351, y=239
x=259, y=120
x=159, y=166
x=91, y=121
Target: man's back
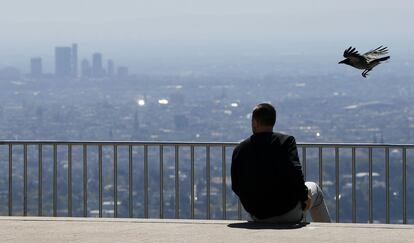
x=267, y=175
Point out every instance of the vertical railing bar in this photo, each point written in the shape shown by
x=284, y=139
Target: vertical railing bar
x=239, y=210
x=387, y=184
x=69, y=180
x=130, y=185
x=10, y=194
x=320, y=168
x=192, y=181
x=25, y=180
x=353, y=186
x=100, y=172
x=208, y=180
x=224, y=184
x=40, y=181
x=161, y=181
x=85, y=180
x=177, y=182
x=404, y=181
x=55, y=197
x=146, y=181
x=303, y=169
x=304, y=161
x=370, y=201
x=115, y=181
x=337, y=183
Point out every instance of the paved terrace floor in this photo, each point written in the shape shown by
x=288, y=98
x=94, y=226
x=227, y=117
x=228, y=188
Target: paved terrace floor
x=32, y=229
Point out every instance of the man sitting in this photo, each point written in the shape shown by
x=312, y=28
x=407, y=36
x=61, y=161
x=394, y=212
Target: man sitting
x=267, y=176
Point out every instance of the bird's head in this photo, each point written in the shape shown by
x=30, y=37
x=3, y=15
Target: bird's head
x=345, y=61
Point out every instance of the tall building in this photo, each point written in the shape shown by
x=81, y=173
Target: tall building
x=74, y=59
x=110, y=68
x=36, y=70
x=63, y=62
x=97, y=69
x=85, y=69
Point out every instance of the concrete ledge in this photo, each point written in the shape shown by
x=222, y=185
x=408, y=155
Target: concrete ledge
x=46, y=229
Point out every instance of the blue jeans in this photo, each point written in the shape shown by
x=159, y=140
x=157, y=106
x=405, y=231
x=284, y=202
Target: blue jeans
x=318, y=209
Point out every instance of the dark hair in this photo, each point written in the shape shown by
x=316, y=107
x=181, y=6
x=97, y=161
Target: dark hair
x=264, y=114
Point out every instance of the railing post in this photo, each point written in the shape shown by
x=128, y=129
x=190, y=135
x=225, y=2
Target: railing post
x=85, y=180
x=208, y=180
x=161, y=152
x=224, y=184
x=337, y=181
x=70, y=180
x=353, y=186
x=192, y=181
x=55, y=197
x=100, y=180
x=404, y=181
x=320, y=168
x=370, y=202
x=146, y=215
x=10, y=194
x=115, y=148
x=304, y=161
x=25, y=180
x=239, y=210
x=387, y=184
x=130, y=184
x=177, y=182
x=40, y=181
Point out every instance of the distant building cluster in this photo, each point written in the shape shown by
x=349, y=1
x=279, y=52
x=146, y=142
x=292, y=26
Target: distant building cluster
x=67, y=65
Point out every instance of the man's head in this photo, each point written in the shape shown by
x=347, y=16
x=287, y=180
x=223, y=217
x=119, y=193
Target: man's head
x=263, y=118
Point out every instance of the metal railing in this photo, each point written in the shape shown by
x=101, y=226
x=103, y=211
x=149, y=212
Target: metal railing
x=189, y=180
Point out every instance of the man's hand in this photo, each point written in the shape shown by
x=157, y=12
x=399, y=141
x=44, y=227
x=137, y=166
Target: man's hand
x=308, y=204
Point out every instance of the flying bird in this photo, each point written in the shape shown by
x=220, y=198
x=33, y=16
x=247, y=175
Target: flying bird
x=366, y=61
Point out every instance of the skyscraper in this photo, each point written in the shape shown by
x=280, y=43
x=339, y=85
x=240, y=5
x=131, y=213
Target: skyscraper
x=85, y=69
x=36, y=67
x=63, y=62
x=74, y=59
x=111, y=68
x=97, y=69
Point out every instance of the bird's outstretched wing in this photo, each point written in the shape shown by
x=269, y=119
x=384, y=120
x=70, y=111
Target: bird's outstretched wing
x=352, y=53
x=375, y=53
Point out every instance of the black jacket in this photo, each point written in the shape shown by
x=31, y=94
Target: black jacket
x=266, y=174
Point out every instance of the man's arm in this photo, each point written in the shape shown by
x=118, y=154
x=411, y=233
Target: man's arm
x=235, y=164
x=297, y=168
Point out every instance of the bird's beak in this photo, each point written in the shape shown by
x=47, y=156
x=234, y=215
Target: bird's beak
x=343, y=61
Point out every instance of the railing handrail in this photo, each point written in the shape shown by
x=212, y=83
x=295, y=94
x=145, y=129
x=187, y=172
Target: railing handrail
x=196, y=143
x=106, y=142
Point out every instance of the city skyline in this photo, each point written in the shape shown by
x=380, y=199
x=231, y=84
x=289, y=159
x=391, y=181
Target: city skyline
x=66, y=65
x=143, y=34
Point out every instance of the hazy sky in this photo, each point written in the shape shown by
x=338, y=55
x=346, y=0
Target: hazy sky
x=135, y=27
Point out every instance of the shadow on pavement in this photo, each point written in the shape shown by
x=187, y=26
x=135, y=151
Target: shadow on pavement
x=256, y=225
